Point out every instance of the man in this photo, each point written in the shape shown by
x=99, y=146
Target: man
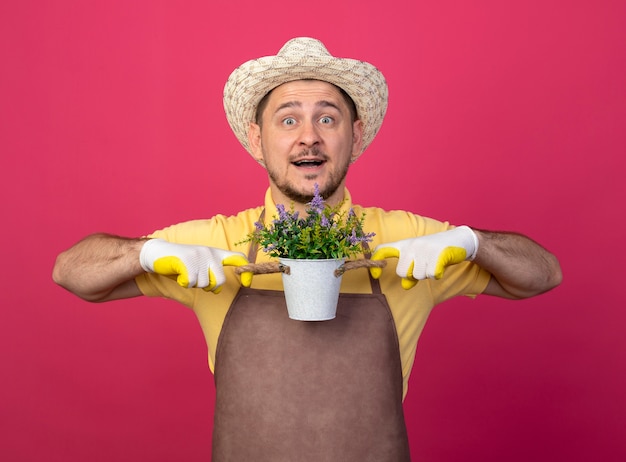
x=290, y=390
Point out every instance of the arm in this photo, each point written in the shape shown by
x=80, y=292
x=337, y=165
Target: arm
x=520, y=267
x=100, y=268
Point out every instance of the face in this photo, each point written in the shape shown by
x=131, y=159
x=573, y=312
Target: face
x=307, y=136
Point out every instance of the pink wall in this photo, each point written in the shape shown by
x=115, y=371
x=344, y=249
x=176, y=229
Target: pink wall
x=502, y=115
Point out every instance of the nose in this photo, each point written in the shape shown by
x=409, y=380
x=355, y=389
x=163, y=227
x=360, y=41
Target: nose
x=309, y=135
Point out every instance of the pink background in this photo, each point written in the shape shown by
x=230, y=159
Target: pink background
x=502, y=115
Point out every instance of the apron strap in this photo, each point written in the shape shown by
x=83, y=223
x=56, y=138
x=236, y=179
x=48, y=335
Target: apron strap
x=254, y=247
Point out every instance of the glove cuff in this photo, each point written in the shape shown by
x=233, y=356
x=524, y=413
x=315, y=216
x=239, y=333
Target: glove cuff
x=471, y=242
x=145, y=258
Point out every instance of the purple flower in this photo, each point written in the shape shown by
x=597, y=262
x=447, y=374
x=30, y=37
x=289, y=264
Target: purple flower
x=353, y=239
x=317, y=204
x=282, y=213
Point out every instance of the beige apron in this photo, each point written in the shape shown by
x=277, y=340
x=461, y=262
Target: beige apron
x=299, y=391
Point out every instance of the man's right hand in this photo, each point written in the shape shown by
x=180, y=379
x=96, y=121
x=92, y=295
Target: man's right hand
x=192, y=265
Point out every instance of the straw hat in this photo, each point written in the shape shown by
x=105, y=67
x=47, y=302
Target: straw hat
x=304, y=58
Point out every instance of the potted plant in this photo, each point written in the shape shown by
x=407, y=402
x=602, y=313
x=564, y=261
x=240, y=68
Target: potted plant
x=311, y=250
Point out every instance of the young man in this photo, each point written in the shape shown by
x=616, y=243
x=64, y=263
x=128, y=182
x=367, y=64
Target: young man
x=305, y=116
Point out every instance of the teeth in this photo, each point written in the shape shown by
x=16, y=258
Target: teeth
x=311, y=162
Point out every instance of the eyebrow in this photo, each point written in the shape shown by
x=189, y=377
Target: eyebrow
x=321, y=103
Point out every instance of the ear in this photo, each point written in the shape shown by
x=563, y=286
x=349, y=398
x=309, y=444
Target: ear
x=254, y=141
x=357, y=139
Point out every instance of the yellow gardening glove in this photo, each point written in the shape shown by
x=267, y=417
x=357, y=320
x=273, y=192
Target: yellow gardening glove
x=428, y=256
x=192, y=265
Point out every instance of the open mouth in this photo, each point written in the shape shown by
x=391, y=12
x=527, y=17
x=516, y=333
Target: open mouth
x=308, y=163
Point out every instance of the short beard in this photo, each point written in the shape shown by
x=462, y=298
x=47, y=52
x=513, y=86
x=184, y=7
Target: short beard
x=288, y=189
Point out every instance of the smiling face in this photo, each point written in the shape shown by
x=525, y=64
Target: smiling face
x=307, y=135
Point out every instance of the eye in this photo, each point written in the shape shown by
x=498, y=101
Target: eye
x=289, y=121
x=326, y=120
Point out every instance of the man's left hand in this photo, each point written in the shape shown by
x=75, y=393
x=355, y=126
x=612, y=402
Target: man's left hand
x=428, y=256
